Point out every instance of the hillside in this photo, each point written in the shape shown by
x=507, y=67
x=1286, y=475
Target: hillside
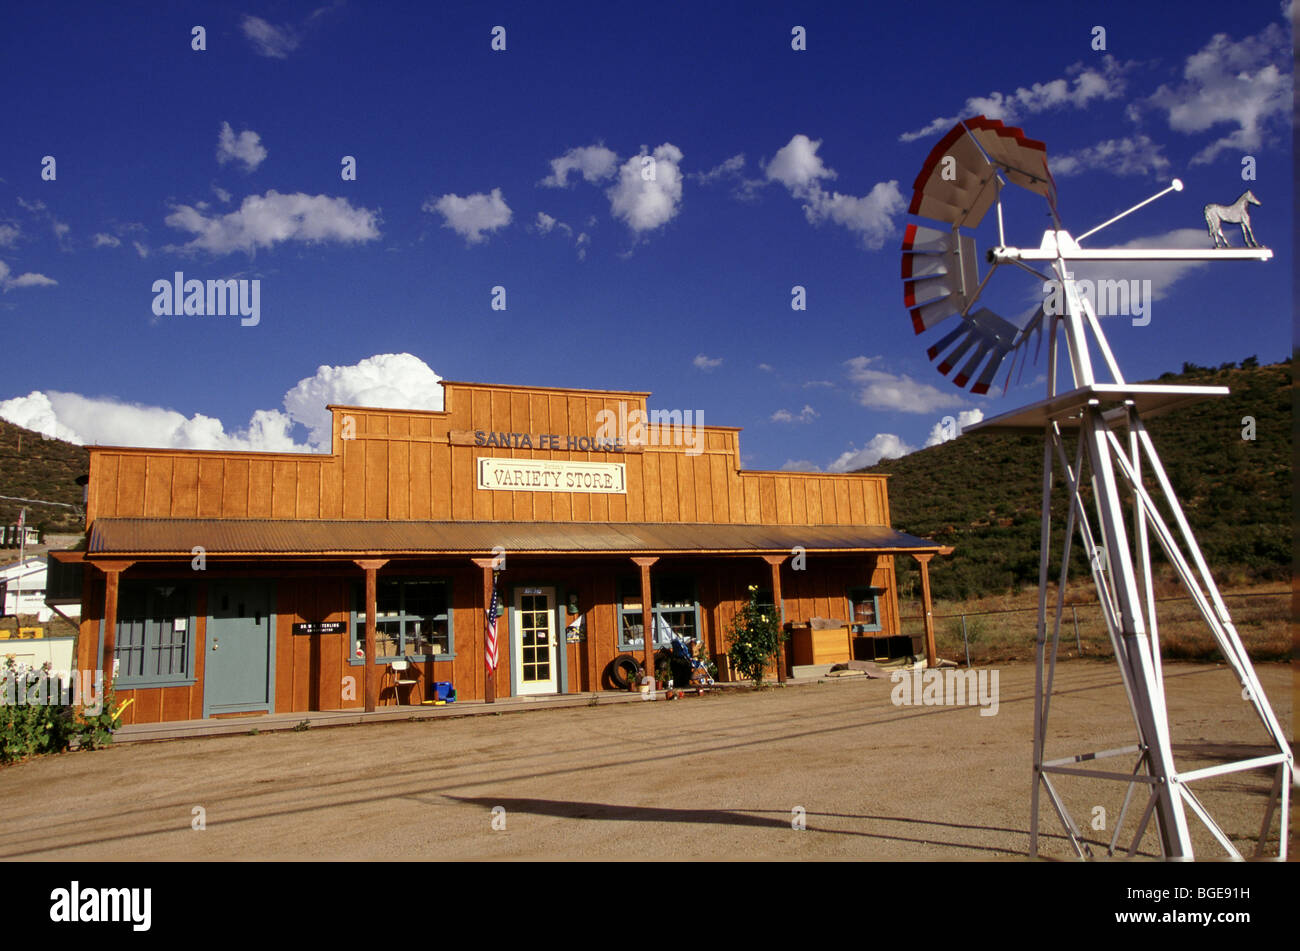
x=981, y=492
x=32, y=467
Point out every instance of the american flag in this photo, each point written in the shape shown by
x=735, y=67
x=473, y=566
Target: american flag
x=491, y=655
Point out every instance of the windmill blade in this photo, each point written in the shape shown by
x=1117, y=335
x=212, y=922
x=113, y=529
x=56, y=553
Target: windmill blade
x=959, y=182
x=990, y=337
x=1023, y=160
x=940, y=274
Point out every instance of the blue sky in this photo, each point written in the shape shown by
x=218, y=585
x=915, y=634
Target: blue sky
x=521, y=168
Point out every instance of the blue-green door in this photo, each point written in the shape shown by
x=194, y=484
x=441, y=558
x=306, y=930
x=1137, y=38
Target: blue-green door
x=238, y=647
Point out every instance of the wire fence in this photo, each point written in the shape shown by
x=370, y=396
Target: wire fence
x=1262, y=619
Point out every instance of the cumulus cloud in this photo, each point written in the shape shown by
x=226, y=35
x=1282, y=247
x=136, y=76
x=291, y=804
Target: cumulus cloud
x=879, y=389
x=882, y=446
x=944, y=433
x=140, y=249
x=594, y=162
x=276, y=42
x=1136, y=155
x=394, y=380
x=648, y=193
x=805, y=415
x=1245, y=83
x=472, y=215
x=102, y=240
x=703, y=362
x=28, y=279
x=8, y=234
x=245, y=148
x=798, y=167
x=263, y=221
x=800, y=465
x=1077, y=89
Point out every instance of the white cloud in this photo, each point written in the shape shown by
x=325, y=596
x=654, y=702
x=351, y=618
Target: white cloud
x=28, y=279
x=800, y=465
x=8, y=235
x=391, y=380
x=472, y=215
x=941, y=433
x=245, y=148
x=102, y=240
x=263, y=221
x=1246, y=83
x=276, y=42
x=595, y=162
x=1137, y=155
x=805, y=415
x=1162, y=274
x=724, y=169
x=882, y=446
x=888, y=391
x=798, y=167
x=767, y=368
x=703, y=362
x=222, y=194
x=1087, y=84
x=395, y=380
x=648, y=194
x=140, y=249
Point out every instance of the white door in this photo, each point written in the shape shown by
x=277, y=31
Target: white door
x=536, y=644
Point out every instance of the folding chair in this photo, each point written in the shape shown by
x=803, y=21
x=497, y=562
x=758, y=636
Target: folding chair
x=403, y=676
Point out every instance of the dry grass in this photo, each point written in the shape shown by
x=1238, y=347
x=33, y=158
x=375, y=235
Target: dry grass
x=1004, y=627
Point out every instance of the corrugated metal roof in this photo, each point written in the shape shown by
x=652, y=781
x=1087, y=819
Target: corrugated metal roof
x=180, y=536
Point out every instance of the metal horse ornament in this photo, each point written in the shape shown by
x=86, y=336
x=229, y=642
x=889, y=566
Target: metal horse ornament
x=1236, y=213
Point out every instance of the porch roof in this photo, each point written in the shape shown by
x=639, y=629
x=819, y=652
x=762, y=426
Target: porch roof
x=179, y=537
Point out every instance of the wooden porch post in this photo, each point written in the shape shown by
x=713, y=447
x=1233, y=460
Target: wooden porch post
x=775, y=562
x=113, y=572
x=931, y=654
x=371, y=568
x=647, y=617
x=490, y=673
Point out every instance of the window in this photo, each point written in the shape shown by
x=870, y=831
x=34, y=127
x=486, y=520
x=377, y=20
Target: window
x=154, y=644
x=412, y=619
x=864, y=609
x=675, y=608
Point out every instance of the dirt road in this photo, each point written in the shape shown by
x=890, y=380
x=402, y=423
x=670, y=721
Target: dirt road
x=722, y=776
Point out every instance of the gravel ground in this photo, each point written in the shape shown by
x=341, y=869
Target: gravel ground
x=725, y=776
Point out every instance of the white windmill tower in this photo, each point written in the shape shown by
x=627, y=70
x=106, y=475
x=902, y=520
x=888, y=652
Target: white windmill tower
x=962, y=179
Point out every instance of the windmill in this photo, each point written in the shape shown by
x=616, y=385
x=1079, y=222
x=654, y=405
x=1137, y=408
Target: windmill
x=963, y=178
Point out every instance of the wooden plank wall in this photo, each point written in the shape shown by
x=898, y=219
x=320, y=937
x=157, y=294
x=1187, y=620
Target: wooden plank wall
x=310, y=671
x=402, y=465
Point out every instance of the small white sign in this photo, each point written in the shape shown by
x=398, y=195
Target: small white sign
x=178, y=625
x=543, y=475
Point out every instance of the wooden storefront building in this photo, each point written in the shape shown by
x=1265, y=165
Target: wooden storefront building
x=233, y=583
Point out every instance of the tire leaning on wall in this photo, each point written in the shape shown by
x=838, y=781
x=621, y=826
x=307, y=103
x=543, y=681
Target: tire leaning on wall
x=623, y=671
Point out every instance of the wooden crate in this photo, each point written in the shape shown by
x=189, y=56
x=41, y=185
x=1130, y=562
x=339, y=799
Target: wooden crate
x=821, y=647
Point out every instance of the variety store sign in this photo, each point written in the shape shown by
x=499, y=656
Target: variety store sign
x=528, y=475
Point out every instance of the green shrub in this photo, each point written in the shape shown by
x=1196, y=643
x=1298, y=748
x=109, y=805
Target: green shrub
x=754, y=638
